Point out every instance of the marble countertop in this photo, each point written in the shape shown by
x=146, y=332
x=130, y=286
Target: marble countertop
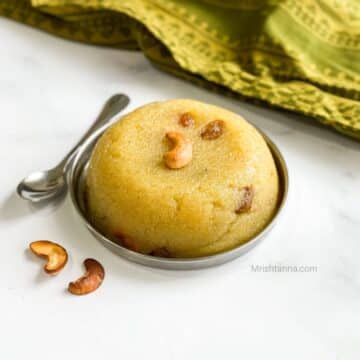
x=50, y=91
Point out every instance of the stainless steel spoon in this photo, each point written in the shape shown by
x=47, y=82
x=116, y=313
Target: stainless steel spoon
x=43, y=185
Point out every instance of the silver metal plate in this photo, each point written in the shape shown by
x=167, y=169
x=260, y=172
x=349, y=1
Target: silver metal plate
x=76, y=181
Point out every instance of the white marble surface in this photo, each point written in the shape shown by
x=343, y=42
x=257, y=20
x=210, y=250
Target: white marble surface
x=50, y=91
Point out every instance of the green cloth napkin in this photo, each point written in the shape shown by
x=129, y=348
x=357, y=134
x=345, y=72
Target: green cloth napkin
x=299, y=55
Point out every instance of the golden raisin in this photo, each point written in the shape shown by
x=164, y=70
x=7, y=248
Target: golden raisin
x=161, y=252
x=246, y=200
x=213, y=130
x=126, y=242
x=186, y=120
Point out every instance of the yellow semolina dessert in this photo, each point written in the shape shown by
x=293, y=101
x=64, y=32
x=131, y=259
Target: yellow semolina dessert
x=181, y=178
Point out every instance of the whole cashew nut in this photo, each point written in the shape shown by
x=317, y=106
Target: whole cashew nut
x=181, y=153
x=55, y=254
x=92, y=279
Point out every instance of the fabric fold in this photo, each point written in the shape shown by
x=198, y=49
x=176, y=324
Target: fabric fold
x=298, y=56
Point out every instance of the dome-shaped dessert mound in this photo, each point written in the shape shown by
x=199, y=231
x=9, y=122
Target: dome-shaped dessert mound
x=181, y=178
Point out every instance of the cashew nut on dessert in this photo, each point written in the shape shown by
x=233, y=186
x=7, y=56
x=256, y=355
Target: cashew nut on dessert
x=181, y=153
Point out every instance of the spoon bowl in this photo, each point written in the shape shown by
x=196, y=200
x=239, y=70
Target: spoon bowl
x=42, y=185
x=47, y=184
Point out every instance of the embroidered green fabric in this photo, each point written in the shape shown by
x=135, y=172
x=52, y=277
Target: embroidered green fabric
x=302, y=56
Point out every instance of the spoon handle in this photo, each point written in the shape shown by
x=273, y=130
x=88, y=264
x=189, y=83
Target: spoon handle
x=112, y=107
